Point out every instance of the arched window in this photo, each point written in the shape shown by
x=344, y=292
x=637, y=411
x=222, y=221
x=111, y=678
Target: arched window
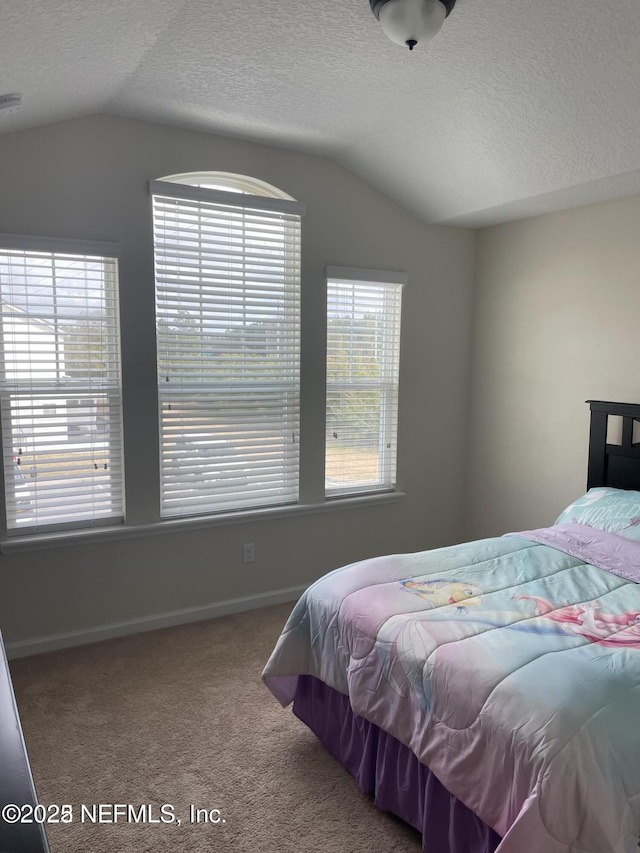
x=230, y=182
x=227, y=268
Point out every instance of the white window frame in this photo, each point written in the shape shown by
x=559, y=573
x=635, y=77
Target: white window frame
x=179, y=499
x=391, y=284
x=58, y=392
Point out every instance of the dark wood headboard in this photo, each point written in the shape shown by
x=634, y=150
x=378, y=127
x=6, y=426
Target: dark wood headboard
x=616, y=465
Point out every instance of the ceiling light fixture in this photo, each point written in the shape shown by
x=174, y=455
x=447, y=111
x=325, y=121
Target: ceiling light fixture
x=411, y=21
x=9, y=104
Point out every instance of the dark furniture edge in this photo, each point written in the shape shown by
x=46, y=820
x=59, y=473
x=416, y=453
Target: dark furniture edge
x=16, y=781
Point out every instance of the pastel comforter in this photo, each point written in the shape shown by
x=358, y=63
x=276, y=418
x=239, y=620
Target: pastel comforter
x=509, y=666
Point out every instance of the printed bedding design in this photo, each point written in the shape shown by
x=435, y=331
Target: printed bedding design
x=509, y=666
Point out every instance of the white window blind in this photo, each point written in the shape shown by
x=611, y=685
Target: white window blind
x=60, y=390
x=228, y=331
x=363, y=349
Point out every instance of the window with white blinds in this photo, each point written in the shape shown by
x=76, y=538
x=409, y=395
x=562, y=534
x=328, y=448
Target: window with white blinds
x=227, y=268
x=363, y=354
x=60, y=390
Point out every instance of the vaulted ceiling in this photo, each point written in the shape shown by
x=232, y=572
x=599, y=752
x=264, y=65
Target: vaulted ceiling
x=517, y=107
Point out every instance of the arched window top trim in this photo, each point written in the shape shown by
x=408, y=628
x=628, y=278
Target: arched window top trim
x=198, y=192
x=228, y=182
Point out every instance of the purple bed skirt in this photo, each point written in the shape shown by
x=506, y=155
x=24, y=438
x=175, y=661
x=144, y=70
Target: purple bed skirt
x=384, y=767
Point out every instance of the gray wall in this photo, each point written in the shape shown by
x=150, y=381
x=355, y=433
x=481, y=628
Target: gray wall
x=87, y=178
x=557, y=322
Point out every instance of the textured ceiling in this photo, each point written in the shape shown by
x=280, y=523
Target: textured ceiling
x=517, y=107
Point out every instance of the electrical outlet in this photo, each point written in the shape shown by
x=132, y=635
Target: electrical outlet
x=248, y=552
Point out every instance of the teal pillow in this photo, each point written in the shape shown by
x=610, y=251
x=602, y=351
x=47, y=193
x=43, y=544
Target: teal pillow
x=614, y=510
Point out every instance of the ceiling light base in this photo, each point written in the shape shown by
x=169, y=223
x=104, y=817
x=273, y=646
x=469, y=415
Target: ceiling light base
x=408, y=22
x=376, y=5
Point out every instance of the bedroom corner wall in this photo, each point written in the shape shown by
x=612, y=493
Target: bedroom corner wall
x=557, y=322
x=88, y=178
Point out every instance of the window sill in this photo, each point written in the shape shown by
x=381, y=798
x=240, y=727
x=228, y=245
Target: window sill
x=67, y=538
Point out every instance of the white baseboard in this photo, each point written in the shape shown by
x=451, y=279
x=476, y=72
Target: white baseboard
x=38, y=645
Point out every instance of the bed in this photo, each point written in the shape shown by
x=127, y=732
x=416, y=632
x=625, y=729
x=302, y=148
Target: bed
x=489, y=693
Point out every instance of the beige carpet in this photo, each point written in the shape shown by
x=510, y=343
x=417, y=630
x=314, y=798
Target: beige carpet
x=180, y=716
